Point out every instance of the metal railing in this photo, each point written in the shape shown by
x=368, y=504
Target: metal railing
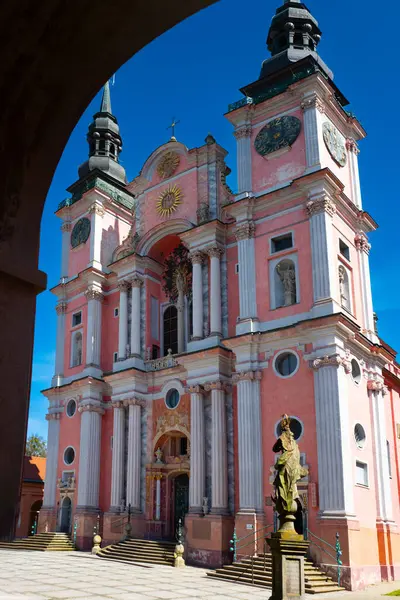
x=237, y=546
x=336, y=548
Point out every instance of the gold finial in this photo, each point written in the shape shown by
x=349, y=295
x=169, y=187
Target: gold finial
x=172, y=127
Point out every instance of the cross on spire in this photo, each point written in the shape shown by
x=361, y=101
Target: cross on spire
x=172, y=127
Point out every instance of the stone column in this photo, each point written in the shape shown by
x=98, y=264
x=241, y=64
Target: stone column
x=180, y=284
x=158, y=477
x=65, y=246
x=96, y=232
x=118, y=455
x=354, y=171
x=134, y=453
x=49, y=499
x=197, y=279
x=247, y=269
x=363, y=248
x=219, y=456
x=313, y=108
x=197, y=450
x=321, y=209
x=94, y=299
x=335, y=470
x=249, y=441
x=377, y=392
x=136, y=283
x=61, y=309
x=243, y=147
x=89, y=457
x=215, y=293
x=123, y=319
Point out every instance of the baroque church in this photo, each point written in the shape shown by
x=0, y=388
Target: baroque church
x=191, y=316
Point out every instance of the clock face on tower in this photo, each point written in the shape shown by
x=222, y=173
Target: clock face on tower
x=335, y=143
x=80, y=232
x=279, y=133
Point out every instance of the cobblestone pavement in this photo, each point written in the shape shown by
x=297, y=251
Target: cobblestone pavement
x=70, y=575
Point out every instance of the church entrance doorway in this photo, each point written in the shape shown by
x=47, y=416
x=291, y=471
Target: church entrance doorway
x=66, y=509
x=34, y=516
x=180, y=504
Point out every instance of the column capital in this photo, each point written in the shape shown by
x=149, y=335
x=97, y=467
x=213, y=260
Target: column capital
x=246, y=376
x=335, y=360
x=361, y=243
x=134, y=401
x=53, y=416
x=61, y=308
x=313, y=101
x=321, y=204
x=136, y=281
x=375, y=385
x=91, y=408
x=215, y=251
x=117, y=403
x=93, y=293
x=351, y=146
x=219, y=385
x=97, y=209
x=66, y=226
x=196, y=257
x=123, y=285
x=245, y=230
x=194, y=389
x=243, y=132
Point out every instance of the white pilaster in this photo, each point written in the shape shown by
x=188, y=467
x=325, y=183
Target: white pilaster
x=181, y=321
x=118, y=454
x=94, y=299
x=335, y=469
x=197, y=284
x=219, y=456
x=96, y=233
x=134, y=453
x=354, y=173
x=215, y=292
x=321, y=210
x=249, y=441
x=243, y=152
x=247, y=270
x=49, y=499
x=123, y=319
x=65, y=246
x=89, y=456
x=61, y=309
x=363, y=248
x=136, y=283
x=197, y=450
x=312, y=109
x=158, y=496
x=384, y=493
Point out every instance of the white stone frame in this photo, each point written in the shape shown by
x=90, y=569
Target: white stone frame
x=173, y=384
x=351, y=373
x=273, y=237
x=354, y=437
x=349, y=273
x=72, y=319
x=291, y=417
x=272, y=266
x=73, y=336
x=70, y=471
x=287, y=351
x=66, y=408
x=362, y=485
x=64, y=451
x=163, y=308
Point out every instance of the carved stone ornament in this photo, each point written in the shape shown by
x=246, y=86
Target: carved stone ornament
x=80, y=232
x=217, y=385
x=215, y=252
x=123, y=286
x=197, y=258
x=194, y=389
x=203, y=213
x=335, y=143
x=287, y=275
x=61, y=308
x=136, y=281
x=243, y=132
x=169, y=200
x=128, y=245
x=312, y=102
x=361, y=243
x=279, y=133
x=168, y=164
x=245, y=231
x=330, y=361
x=66, y=226
x=94, y=294
x=319, y=205
x=246, y=376
x=134, y=401
x=97, y=209
x=53, y=416
x=91, y=408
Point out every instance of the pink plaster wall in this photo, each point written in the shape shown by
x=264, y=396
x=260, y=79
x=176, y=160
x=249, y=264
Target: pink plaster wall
x=114, y=230
x=75, y=305
x=78, y=258
x=70, y=431
x=110, y=326
x=233, y=289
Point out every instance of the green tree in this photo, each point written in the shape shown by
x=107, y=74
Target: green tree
x=35, y=446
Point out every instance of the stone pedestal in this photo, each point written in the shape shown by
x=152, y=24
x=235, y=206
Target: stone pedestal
x=47, y=520
x=208, y=540
x=86, y=521
x=288, y=552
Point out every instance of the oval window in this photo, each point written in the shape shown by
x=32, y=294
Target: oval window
x=172, y=398
x=71, y=408
x=359, y=435
x=355, y=371
x=69, y=455
x=286, y=364
x=295, y=426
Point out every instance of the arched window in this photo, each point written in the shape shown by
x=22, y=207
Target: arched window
x=171, y=330
x=102, y=146
x=112, y=150
x=285, y=283
x=344, y=286
x=77, y=349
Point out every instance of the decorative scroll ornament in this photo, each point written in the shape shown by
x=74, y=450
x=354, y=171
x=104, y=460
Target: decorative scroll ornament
x=80, y=232
x=128, y=245
x=169, y=200
x=177, y=268
x=279, y=133
x=168, y=165
x=335, y=143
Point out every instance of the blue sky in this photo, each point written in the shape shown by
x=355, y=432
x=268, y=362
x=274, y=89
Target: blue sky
x=193, y=72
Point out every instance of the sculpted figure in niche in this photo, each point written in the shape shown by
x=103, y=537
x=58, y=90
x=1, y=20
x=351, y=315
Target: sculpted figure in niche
x=287, y=275
x=288, y=472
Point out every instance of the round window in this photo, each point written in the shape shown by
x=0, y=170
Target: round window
x=172, y=398
x=286, y=364
x=71, y=408
x=69, y=455
x=359, y=435
x=355, y=371
x=295, y=426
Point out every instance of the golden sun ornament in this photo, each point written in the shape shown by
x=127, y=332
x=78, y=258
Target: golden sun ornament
x=169, y=200
x=168, y=164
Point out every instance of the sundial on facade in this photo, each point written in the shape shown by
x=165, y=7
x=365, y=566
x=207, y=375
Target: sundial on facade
x=169, y=200
x=80, y=232
x=335, y=143
x=279, y=133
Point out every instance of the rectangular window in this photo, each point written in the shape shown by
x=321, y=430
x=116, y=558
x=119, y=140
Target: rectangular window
x=116, y=312
x=155, y=352
x=67, y=475
x=282, y=242
x=361, y=473
x=115, y=356
x=237, y=268
x=183, y=448
x=344, y=250
x=76, y=319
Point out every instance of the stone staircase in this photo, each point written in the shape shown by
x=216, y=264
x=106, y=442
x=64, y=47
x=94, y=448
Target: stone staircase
x=142, y=551
x=42, y=542
x=316, y=581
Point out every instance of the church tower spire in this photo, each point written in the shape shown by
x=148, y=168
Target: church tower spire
x=105, y=142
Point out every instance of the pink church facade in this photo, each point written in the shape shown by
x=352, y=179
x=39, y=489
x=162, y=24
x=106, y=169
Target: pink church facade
x=190, y=317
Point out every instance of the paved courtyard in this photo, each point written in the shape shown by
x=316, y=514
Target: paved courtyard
x=70, y=575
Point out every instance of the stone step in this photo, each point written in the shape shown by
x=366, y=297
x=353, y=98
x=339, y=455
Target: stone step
x=145, y=551
x=266, y=581
x=136, y=552
x=140, y=558
x=41, y=542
